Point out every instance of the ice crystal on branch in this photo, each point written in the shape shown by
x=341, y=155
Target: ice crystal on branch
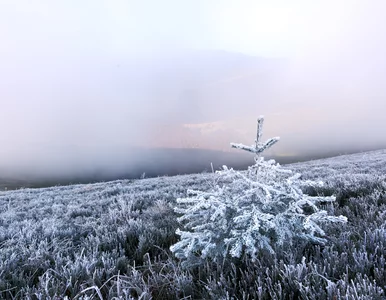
x=258, y=147
x=252, y=211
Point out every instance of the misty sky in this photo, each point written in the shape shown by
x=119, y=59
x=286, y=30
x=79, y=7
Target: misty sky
x=80, y=80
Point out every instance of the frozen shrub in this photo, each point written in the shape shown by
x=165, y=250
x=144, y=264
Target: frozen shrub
x=252, y=211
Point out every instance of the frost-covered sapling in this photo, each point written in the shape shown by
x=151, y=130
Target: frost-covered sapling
x=251, y=211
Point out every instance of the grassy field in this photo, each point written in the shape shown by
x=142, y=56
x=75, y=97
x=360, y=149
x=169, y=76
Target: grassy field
x=111, y=241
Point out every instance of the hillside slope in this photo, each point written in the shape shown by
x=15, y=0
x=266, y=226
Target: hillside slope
x=112, y=239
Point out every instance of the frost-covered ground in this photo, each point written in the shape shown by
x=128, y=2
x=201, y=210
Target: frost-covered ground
x=372, y=162
x=112, y=239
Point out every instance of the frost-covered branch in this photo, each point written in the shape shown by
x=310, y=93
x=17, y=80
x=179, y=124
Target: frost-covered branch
x=258, y=147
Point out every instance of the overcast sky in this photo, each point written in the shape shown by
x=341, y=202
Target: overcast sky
x=122, y=27
x=79, y=79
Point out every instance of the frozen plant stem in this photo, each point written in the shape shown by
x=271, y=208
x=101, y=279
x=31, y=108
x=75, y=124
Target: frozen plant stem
x=259, y=147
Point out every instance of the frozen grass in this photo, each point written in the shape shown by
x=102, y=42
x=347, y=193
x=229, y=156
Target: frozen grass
x=111, y=241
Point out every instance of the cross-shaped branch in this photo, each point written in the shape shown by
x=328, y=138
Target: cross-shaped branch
x=258, y=147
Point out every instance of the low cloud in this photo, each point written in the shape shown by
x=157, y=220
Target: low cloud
x=71, y=103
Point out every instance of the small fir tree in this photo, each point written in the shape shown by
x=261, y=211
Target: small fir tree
x=253, y=210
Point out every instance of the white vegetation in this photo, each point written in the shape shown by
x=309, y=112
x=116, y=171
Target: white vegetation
x=258, y=147
x=255, y=210
x=111, y=239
